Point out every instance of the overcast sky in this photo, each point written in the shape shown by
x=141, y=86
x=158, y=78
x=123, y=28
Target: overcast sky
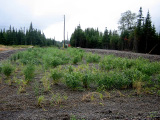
x=47, y=15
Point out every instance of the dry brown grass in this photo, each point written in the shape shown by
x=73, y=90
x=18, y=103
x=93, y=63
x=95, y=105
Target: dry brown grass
x=138, y=86
x=4, y=48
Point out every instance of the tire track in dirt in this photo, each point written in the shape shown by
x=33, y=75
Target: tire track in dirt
x=6, y=54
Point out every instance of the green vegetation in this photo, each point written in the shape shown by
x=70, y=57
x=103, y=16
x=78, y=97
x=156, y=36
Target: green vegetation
x=137, y=33
x=32, y=36
x=56, y=75
x=105, y=72
x=7, y=69
x=57, y=99
x=41, y=100
x=29, y=72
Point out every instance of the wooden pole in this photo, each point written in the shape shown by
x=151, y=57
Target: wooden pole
x=64, y=31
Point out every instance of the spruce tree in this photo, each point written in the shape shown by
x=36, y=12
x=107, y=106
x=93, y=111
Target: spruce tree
x=105, y=40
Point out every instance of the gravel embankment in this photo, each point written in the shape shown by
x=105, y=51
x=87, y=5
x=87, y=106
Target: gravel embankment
x=130, y=55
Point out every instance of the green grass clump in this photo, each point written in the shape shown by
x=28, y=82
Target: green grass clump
x=29, y=72
x=113, y=79
x=73, y=80
x=55, y=61
x=56, y=75
x=92, y=58
x=7, y=69
x=76, y=59
x=41, y=100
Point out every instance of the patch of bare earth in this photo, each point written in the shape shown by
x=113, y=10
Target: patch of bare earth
x=123, y=104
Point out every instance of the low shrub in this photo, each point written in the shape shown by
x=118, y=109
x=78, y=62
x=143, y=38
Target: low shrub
x=135, y=75
x=73, y=80
x=112, y=80
x=70, y=69
x=55, y=61
x=29, y=72
x=92, y=58
x=85, y=80
x=52, y=61
x=76, y=59
x=56, y=75
x=7, y=69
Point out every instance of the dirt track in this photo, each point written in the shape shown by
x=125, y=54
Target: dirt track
x=124, y=54
x=123, y=105
x=5, y=54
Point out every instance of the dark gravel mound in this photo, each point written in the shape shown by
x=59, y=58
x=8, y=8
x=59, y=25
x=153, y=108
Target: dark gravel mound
x=127, y=54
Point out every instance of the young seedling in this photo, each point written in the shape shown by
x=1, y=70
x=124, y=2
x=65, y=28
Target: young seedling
x=58, y=98
x=41, y=100
x=29, y=72
x=22, y=87
x=46, y=83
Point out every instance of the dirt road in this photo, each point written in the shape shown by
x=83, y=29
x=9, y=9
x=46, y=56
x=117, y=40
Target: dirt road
x=5, y=54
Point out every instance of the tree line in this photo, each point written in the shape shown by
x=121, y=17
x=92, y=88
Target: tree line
x=136, y=34
x=20, y=37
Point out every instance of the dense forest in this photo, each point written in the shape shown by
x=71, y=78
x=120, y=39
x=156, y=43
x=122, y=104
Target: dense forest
x=136, y=34
x=20, y=37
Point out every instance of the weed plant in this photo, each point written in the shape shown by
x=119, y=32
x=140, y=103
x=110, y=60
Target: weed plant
x=57, y=98
x=70, y=69
x=113, y=79
x=46, y=82
x=107, y=73
x=41, y=100
x=56, y=75
x=76, y=59
x=22, y=86
x=29, y=72
x=92, y=58
x=7, y=69
x=73, y=80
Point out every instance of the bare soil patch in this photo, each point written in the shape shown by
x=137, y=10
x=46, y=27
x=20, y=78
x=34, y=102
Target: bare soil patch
x=116, y=104
x=7, y=53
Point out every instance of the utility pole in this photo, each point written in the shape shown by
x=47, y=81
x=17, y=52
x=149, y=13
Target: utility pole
x=64, y=33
